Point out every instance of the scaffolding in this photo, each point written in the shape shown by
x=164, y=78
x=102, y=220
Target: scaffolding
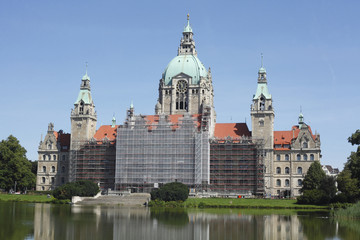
x=149, y=154
x=236, y=166
x=93, y=160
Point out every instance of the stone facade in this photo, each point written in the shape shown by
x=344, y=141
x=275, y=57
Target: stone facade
x=53, y=160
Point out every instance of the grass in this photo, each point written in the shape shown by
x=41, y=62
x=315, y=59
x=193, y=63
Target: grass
x=352, y=212
x=25, y=198
x=248, y=203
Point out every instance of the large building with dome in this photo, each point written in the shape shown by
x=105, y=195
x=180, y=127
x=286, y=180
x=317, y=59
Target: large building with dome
x=181, y=142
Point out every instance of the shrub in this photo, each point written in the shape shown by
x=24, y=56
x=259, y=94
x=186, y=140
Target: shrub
x=174, y=191
x=82, y=188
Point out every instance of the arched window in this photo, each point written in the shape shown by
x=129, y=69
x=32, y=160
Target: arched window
x=305, y=144
x=54, y=157
x=43, y=188
x=262, y=104
x=44, y=169
x=305, y=157
x=312, y=157
x=287, y=183
x=62, y=169
x=278, y=182
x=81, y=108
x=287, y=157
x=299, y=170
x=299, y=182
x=278, y=170
x=298, y=157
x=278, y=157
x=43, y=179
x=52, y=169
x=49, y=157
x=44, y=157
x=287, y=170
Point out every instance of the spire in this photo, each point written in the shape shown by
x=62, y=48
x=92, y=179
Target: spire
x=262, y=88
x=187, y=44
x=301, y=118
x=131, y=105
x=188, y=28
x=262, y=69
x=113, y=122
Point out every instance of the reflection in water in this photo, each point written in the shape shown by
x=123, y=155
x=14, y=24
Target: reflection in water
x=48, y=221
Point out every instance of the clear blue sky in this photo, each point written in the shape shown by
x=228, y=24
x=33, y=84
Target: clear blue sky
x=311, y=53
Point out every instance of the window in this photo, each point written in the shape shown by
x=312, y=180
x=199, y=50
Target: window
x=49, y=146
x=43, y=188
x=278, y=182
x=62, y=180
x=305, y=157
x=261, y=123
x=287, y=170
x=287, y=183
x=312, y=157
x=52, y=169
x=62, y=169
x=81, y=108
x=305, y=144
x=49, y=157
x=43, y=179
x=298, y=157
x=287, y=157
x=299, y=170
x=54, y=157
x=278, y=170
x=262, y=104
x=44, y=157
x=52, y=180
x=299, y=182
x=44, y=169
x=278, y=157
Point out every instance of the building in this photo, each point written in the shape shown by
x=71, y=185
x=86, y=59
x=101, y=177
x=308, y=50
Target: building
x=183, y=142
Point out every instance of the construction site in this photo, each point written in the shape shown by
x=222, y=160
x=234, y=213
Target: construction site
x=93, y=160
x=236, y=166
x=158, y=149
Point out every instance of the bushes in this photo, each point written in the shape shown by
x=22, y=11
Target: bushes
x=82, y=188
x=174, y=191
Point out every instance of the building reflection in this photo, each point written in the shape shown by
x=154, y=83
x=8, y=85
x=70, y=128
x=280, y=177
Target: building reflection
x=114, y=222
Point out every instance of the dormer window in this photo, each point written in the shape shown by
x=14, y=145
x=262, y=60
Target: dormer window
x=305, y=145
x=49, y=146
x=262, y=104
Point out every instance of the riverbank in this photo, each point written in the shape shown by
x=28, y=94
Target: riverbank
x=351, y=212
x=237, y=203
x=25, y=198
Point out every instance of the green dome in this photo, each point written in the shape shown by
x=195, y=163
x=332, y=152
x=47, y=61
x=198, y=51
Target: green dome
x=187, y=64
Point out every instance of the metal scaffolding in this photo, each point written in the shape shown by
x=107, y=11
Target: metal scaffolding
x=150, y=154
x=93, y=160
x=236, y=166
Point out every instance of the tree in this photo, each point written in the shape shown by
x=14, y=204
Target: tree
x=174, y=191
x=348, y=186
x=313, y=177
x=82, y=188
x=15, y=168
x=34, y=167
x=317, y=187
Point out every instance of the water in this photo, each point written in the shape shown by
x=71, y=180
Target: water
x=49, y=221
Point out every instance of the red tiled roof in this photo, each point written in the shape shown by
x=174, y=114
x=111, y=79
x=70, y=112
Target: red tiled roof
x=285, y=137
x=234, y=130
x=173, y=119
x=106, y=131
x=64, y=140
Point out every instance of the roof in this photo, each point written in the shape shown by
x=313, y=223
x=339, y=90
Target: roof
x=262, y=89
x=234, y=130
x=285, y=137
x=187, y=64
x=106, y=131
x=84, y=95
x=174, y=120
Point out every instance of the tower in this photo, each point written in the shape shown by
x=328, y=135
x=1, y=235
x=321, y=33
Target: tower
x=83, y=116
x=186, y=85
x=262, y=121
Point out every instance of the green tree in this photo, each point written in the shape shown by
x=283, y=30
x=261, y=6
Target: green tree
x=314, y=177
x=174, y=191
x=34, y=167
x=82, y=188
x=348, y=186
x=14, y=166
x=353, y=163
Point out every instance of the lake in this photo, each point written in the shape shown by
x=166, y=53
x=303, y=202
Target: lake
x=51, y=221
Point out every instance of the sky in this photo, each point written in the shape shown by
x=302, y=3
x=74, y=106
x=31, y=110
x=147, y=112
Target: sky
x=311, y=53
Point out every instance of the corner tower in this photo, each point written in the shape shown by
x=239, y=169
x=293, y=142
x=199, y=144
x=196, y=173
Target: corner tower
x=186, y=85
x=83, y=116
x=262, y=123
